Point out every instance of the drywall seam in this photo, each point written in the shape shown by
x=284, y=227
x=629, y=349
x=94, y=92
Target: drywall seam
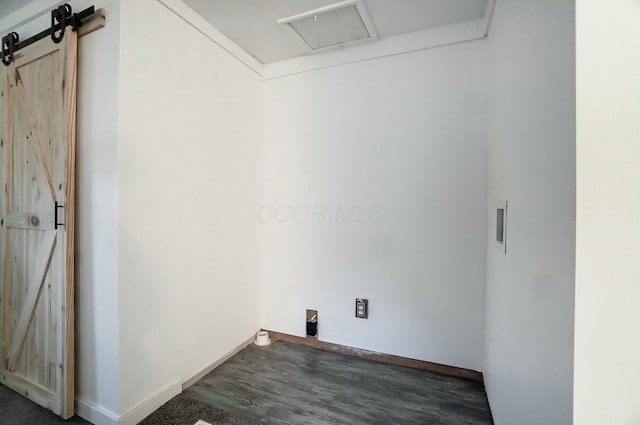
x=407, y=43
x=26, y=14
x=372, y=58
x=195, y=378
x=94, y=414
x=447, y=35
x=153, y=403
x=488, y=16
x=184, y=12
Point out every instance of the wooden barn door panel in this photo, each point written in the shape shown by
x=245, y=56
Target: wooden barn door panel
x=37, y=167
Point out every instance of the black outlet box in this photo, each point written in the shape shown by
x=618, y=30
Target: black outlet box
x=312, y=328
x=312, y=323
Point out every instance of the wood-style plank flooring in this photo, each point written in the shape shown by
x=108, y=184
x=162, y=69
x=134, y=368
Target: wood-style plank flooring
x=292, y=384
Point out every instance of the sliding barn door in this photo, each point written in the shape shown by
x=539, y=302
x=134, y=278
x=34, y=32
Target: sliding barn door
x=37, y=166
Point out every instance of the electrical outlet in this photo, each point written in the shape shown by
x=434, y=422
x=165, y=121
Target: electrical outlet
x=362, y=308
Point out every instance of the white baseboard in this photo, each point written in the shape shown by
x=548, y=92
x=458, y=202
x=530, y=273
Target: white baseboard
x=95, y=415
x=195, y=378
x=100, y=416
x=153, y=403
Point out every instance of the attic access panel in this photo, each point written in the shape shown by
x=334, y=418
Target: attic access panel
x=341, y=24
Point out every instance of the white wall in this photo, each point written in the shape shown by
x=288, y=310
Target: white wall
x=607, y=340
x=96, y=207
x=530, y=290
x=400, y=143
x=96, y=257
x=188, y=186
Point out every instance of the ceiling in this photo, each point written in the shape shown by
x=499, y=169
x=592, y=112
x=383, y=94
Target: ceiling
x=252, y=23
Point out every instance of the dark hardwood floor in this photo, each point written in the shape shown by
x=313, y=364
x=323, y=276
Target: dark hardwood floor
x=287, y=384
x=292, y=384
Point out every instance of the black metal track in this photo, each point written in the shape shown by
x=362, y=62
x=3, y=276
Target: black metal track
x=46, y=33
x=74, y=20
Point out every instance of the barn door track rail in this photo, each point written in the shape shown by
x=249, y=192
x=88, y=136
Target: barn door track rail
x=62, y=17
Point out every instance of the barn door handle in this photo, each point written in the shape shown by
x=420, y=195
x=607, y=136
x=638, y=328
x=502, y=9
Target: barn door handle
x=59, y=22
x=9, y=43
x=55, y=216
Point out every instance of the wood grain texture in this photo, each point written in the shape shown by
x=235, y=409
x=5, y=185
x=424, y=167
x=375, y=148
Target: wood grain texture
x=41, y=160
x=457, y=372
x=37, y=168
x=293, y=384
x=29, y=220
x=94, y=22
x=37, y=394
x=67, y=352
x=33, y=290
x=5, y=137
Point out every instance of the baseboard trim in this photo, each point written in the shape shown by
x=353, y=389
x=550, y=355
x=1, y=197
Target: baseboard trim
x=153, y=403
x=442, y=369
x=195, y=378
x=94, y=414
x=99, y=416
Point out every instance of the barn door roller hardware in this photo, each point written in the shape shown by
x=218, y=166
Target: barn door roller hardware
x=61, y=18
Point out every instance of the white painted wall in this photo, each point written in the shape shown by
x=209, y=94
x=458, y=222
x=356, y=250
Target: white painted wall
x=188, y=188
x=400, y=144
x=530, y=290
x=372, y=183
x=96, y=257
x=96, y=209
x=607, y=339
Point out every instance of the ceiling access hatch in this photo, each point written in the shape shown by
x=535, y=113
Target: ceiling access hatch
x=337, y=25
